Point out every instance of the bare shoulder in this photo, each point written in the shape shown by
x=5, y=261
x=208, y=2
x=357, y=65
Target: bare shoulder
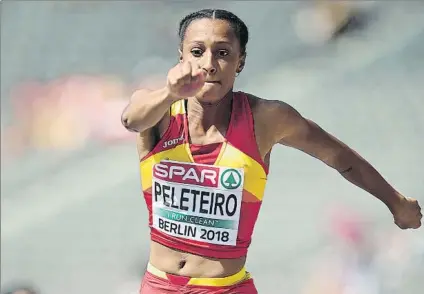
x=269, y=109
x=269, y=121
x=280, y=123
x=274, y=117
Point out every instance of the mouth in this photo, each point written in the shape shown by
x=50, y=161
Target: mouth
x=213, y=82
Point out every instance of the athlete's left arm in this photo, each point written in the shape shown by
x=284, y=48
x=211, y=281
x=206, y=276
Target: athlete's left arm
x=290, y=128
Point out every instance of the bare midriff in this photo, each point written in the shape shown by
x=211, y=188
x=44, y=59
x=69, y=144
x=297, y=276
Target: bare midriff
x=190, y=265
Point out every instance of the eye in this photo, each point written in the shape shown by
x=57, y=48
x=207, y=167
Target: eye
x=196, y=52
x=223, y=53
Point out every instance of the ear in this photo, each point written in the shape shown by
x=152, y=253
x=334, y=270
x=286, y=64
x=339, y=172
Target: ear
x=242, y=62
x=180, y=52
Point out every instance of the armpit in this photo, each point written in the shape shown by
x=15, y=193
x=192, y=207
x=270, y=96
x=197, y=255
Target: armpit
x=148, y=139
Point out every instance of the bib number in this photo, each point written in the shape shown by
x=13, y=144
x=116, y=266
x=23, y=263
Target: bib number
x=197, y=202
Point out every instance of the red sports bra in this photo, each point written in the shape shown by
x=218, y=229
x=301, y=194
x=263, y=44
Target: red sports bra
x=205, y=200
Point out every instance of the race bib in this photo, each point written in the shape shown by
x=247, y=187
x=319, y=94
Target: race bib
x=197, y=202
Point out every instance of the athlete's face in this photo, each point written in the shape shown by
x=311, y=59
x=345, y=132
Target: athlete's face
x=212, y=44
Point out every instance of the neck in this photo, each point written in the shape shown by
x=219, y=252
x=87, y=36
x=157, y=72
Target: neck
x=204, y=115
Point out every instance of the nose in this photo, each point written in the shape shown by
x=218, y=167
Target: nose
x=209, y=63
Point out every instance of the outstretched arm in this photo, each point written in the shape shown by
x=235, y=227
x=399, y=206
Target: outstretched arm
x=292, y=129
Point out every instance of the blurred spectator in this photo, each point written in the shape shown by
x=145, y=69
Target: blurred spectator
x=67, y=113
x=364, y=260
x=20, y=290
x=325, y=20
x=348, y=267
x=400, y=257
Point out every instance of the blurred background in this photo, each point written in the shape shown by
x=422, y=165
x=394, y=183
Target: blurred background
x=73, y=219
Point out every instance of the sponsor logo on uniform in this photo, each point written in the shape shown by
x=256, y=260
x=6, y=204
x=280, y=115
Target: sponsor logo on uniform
x=173, y=142
x=187, y=173
x=231, y=179
x=197, y=202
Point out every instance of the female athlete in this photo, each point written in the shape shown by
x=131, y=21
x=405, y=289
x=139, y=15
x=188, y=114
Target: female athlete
x=204, y=156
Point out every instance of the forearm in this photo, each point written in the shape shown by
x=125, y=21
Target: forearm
x=146, y=109
x=365, y=176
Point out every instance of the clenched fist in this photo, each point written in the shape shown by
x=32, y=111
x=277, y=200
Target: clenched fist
x=407, y=213
x=185, y=80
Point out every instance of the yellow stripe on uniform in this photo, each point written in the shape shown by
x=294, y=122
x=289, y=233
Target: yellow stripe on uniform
x=254, y=177
x=177, y=108
x=242, y=275
x=179, y=153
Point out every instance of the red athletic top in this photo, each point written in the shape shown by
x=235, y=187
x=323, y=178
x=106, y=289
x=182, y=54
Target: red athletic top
x=205, y=154
x=205, y=199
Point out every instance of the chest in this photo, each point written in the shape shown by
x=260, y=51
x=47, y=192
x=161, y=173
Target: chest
x=212, y=135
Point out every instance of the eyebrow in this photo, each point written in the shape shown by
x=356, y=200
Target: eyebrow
x=217, y=42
